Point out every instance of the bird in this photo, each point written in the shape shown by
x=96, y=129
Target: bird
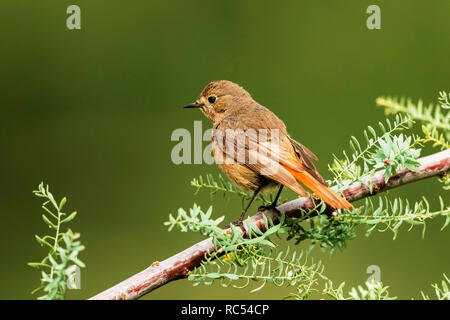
x=251, y=146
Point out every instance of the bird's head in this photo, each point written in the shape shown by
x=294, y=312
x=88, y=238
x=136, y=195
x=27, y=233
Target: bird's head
x=219, y=98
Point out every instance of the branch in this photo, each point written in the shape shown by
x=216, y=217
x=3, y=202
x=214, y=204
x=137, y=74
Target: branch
x=179, y=265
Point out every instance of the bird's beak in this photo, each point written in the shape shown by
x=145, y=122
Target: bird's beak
x=194, y=105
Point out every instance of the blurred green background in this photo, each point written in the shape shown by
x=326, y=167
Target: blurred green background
x=91, y=112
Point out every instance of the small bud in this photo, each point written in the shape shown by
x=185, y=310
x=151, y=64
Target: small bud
x=387, y=162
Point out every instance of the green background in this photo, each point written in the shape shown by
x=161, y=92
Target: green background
x=91, y=112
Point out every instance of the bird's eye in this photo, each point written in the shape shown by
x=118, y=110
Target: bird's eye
x=212, y=99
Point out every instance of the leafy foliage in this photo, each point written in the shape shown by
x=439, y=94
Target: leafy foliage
x=328, y=233
x=373, y=291
x=394, y=153
x=381, y=215
x=239, y=260
x=444, y=99
x=431, y=114
x=382, y=150
x=445, y=179
x=443, y=292
x=58, y=267
x=392, y=214
x=433, y=135
x=435, y=120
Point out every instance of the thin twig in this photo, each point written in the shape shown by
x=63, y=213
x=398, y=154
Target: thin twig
x=179, y=265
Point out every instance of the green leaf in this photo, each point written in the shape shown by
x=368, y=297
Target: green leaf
x=231, y=276
x=38, y=265
x=48, y=222
x=70, y=217
x=447, y=221
x=62, y=203
x=43, y=242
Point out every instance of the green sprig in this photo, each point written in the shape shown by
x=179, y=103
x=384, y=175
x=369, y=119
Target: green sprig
x=58, y=267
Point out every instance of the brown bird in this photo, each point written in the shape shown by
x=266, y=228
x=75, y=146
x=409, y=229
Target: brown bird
x=252, y=147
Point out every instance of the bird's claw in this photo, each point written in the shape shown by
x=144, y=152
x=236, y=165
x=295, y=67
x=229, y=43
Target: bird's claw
x=269, y=207
x=238, y=223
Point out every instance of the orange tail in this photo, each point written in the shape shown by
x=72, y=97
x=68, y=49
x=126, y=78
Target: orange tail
x=326, y=194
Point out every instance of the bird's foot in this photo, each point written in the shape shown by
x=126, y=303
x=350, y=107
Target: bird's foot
x=269, y=207
x=238, y=223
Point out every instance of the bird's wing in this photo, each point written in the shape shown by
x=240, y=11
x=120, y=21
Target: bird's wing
x=304, y=154
x=300, y=146
x=276, y=158
x=294, y=160
x=249, y=149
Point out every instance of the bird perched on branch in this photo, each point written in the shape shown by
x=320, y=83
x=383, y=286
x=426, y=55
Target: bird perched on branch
x=252, y=147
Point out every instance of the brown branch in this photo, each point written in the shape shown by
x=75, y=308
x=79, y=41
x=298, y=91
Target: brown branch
x=178, y=266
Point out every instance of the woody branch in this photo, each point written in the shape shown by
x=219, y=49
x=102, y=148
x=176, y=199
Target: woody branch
x=178, y=266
